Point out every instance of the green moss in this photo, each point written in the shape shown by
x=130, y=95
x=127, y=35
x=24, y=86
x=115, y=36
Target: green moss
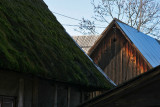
x=33, y=41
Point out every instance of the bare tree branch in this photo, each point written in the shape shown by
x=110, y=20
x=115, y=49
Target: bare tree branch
x=143, y=15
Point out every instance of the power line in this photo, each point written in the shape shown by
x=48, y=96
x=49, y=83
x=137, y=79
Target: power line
x=76, y=20
x=66, y=16
x=83, y=26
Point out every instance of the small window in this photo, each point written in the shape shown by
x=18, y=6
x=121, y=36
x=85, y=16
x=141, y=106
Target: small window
x=7, y=101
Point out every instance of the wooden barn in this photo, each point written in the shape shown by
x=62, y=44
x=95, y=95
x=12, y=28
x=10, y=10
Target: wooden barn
x=123, y=52
x=40, y=65
x=141, y=91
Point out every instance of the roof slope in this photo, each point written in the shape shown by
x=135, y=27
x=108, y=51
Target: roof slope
x=148, y=46
x=85, y=42
x=33, y=41
x=124, y=89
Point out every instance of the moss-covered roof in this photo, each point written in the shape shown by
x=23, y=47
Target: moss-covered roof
x=33, y=41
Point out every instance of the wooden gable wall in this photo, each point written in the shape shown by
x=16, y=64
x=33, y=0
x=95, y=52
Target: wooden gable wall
x=118, y=58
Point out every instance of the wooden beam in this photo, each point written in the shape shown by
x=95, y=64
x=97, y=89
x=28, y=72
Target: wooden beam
x=35, y=92
x=121, y=65
x=109, y=68
x=55, y=96
x=82, y=96
x=68, y=96
x=21, y=93
x=124, y=62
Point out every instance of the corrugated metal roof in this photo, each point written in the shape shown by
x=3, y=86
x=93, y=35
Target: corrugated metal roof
x=148, y=46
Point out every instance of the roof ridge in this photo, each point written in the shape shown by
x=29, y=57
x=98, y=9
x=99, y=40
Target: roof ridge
x=134, y=28
x=115, y=19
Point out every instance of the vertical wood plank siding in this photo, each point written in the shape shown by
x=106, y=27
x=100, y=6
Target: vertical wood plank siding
x=118, y=58
x=35, y=92
x=21, y=93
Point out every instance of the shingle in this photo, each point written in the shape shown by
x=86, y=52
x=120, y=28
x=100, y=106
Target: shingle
x=85, y=42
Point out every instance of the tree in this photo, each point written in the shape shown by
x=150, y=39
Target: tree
x=144, y=15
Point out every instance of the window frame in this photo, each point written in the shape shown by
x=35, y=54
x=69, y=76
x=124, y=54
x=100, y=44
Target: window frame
x=11, y=98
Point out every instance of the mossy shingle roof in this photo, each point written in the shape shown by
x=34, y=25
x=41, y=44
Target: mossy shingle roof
x=33, y=41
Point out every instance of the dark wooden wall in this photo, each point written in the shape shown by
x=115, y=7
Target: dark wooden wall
x=118, y=58
x=31, y=91
x=140, y=92
x=144, y=95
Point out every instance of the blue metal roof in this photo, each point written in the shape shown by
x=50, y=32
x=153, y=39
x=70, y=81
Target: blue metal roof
x=148, y=46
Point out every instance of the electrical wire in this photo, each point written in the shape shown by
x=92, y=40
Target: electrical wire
x=76, y=20
x=83, y=26
x=66, y=16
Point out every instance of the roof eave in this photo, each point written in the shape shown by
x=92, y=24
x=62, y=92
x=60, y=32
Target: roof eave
x=98, y=68
x=101, y=37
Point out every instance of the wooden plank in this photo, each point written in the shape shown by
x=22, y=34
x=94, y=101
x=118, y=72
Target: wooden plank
x=130, y=62
x=148, y=68
x=137, y=64
x=97, y=93
x=69, y=96
x=103, y=46
x=124, y=62
x=112, y=61
x=141, y=65
x=91, y=95
x=55, y=96
x=134, y=63
x=122, y=40
x=94, y=94
x=127, y=62
x=108, y=53
x=145, y=67
x=121, y=71
x=99, y=51
x=104, y=61
x=109, y=66
x=35, y=92
x=21, y=93
x=115, y=60
x=138, y=61
x=118, y=59
x=82, y=96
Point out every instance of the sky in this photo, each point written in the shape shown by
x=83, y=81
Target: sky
x=73, y=8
